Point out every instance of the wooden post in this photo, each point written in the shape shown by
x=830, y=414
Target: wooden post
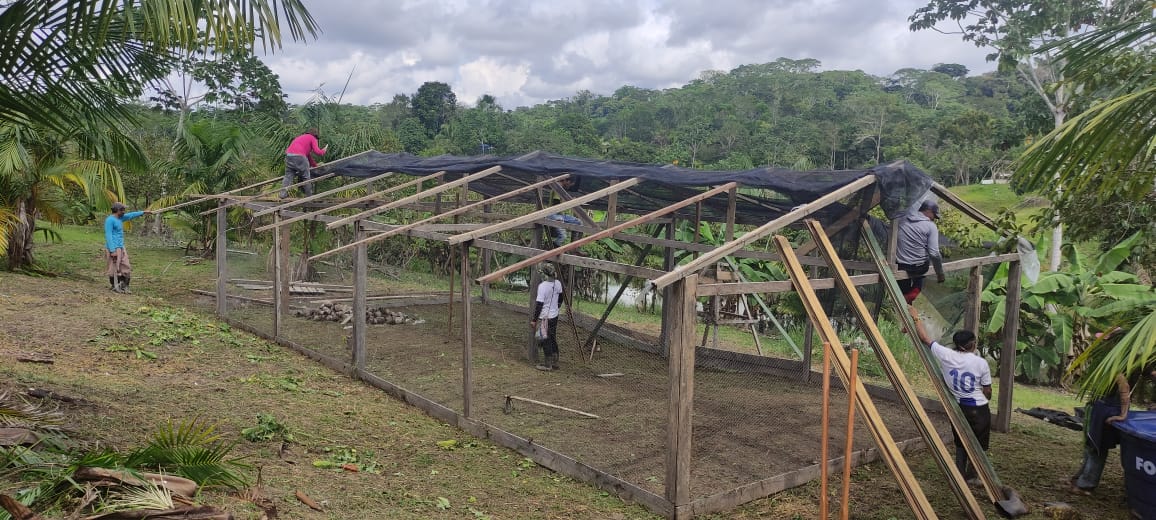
x=536, y=243
x=824, y=427
x=281, y=276
x=467, y=335
x=360, y=287
x=450, y=305
x=849, y=439
x=972, y=305
x=1007, y=355
x=667, y=265
x=486, y=257
x=681, y=396
x=222, y=260
x=611, y=209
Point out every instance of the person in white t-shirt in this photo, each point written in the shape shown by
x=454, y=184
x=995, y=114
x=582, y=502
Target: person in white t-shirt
x=546, y=308
x=969, y=377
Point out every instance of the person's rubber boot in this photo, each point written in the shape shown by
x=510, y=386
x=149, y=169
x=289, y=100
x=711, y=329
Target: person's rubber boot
x=112, y=284
x=553, y=361
x=124, y=280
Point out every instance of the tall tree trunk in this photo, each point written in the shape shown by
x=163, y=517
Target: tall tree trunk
x=20, y=243
x=1058, y=115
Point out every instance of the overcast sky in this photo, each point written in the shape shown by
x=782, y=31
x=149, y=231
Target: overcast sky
x=525, y=52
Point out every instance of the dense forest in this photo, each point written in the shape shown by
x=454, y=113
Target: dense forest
x=787, y=113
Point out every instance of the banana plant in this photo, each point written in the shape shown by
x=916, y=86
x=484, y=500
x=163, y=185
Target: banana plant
x=1062, y=311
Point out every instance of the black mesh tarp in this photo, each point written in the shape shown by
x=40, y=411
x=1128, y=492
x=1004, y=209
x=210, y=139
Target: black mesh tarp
x=766, y=193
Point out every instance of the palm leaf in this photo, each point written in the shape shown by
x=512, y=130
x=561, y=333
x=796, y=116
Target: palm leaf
x=1131, y=354
x=18, y=413
x=191, y=449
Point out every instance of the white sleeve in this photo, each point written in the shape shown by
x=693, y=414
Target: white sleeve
x=544, y=292
x=985, y=374
x=940, y=351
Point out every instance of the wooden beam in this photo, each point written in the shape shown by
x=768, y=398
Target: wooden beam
x=894, y=372
x=975, y=453
x=839, y=225
x=414, y=198
x=222, y=258
x=611, y=208
x=413, y=225
x=497, y=275
x=316, y=196
x=1007, y=353
x=467, y=335
x=963, y=206
x=517, y=221
x=724, y=289
x=741, y=253
x=681, y=394
x=973, y=304
x=281, y=276
x=352, y=202
x=360, y=287
x=762, y=231
x=912, y=491
x=270, y=191
x=230, y=192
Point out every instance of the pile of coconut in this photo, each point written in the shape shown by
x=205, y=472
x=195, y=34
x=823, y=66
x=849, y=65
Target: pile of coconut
x=343, y=313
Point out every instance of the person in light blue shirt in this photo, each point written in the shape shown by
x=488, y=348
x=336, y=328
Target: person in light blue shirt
x=119, y=269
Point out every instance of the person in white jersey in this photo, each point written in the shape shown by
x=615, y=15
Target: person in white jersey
x=546, y=308
x=969, y=377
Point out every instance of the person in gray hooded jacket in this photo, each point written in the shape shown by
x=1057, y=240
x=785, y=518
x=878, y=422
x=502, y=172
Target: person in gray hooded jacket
x=918, y=248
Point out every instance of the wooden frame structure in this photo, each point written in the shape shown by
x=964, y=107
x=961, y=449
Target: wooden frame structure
x=681, y=286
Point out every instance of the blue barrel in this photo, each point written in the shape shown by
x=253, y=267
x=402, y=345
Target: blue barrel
x=1138, y=454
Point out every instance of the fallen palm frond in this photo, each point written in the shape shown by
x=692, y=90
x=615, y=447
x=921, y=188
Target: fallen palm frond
x=191, y=449
x=145, y=496
x=18, y=413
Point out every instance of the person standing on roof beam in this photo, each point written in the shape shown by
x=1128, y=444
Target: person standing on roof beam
x=299, y=159
x=918, y=248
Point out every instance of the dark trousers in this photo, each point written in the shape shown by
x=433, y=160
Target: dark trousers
x=550, y=345
x=979, y=418
x=913, y=285
x=296, y=170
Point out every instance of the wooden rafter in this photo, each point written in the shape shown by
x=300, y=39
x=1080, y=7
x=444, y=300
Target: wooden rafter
x=517, y=221
x=351, y=202
x=364, y=215
x=268, y=192
x=762, y=231
x=311, y=198
x=413, y=225
x=497, y=275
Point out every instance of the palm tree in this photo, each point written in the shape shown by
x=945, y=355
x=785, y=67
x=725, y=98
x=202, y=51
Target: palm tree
x=42, y=171
x=1110, y=149
x=74, y=63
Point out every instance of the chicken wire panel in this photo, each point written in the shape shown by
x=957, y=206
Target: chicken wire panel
x=622, y=380
x=248, y=272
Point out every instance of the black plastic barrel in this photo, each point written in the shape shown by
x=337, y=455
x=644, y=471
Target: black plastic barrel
x=1138, y=454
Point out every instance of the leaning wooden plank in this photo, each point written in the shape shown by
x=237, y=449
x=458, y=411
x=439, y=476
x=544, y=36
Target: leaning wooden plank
x=991, y=483
x=912, y=491
x=762, y=231
x=464, y=209
x=323, y=194
x=414, y=198
x=895, y=373
x=350, y=202
x=497, y=275
x=517, y=221
x=964, y=206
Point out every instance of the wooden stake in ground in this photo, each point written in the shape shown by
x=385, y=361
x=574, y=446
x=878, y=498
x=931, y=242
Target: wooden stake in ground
x=845, y=510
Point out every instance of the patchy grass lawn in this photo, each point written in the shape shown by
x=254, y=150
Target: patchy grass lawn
x=142, y=360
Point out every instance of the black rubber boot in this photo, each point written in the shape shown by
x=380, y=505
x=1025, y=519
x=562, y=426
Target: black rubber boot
x=112, y=284
x=552, y=360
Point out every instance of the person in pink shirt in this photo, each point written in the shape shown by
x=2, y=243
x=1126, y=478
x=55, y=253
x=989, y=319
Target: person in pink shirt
x=299, y=159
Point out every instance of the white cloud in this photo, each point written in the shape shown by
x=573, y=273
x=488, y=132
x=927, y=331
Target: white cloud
x=529, y=51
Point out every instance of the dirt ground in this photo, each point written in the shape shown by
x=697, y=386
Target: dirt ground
x=747, y=427
x=203, y=369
